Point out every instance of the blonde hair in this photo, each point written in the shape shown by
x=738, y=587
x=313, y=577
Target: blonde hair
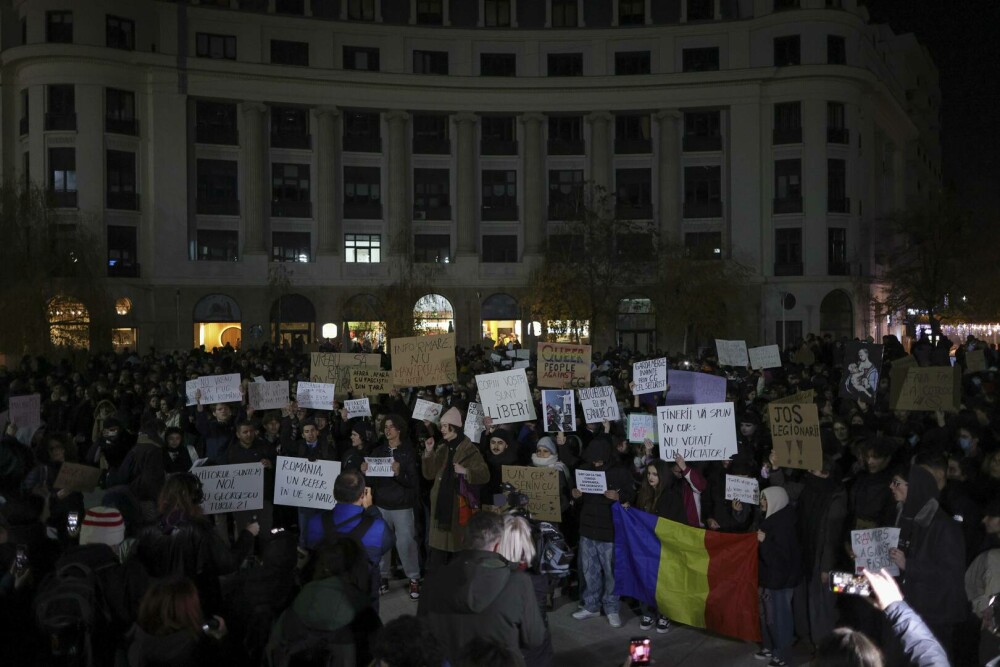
x=516, y=544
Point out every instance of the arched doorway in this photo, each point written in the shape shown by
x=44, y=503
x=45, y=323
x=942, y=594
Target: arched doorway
x=293, y=321
x=362, y=317
x=636, y=324
x=433, y=314
x=836, y=315
x=501, y=318
x=213, y=315
x=69, y=322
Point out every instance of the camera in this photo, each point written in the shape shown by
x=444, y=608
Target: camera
x=639, y=650
x=552, y=554
x=850, y=584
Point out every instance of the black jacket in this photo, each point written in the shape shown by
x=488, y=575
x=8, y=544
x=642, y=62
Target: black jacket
x=922, y=649
x=779, y=555
x=595, y=510
x=399, y=492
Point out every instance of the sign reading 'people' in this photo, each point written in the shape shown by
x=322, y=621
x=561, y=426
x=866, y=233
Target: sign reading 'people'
x=563, y=365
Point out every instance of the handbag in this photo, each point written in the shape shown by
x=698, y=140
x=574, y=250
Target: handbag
x=468, y=500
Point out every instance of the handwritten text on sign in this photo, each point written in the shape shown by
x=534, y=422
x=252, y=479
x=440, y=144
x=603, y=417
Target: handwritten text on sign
x=931, y=388
x=268, y=395
x=315, y=395
x=871, y=549
x=598, y=404
x=732, y=353
x=641, y=427
x=649, y=376
x=541, y=485
x=234, y=488
x=743, y=489
x=305, y=483
x=358, y=407
x=214, y=389
x=766, y=356
x=795, y=434
x=505, y=396
x=705, y=432
x=563, y=365
x=427, y=411
x=422, y=360
x=474, y=425
x=379, y=466
x=25, y=411
x=335, y=368
x=76, y=477
x=367, y=381
x=591, y=481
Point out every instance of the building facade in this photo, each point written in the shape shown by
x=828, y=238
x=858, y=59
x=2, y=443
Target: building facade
x=263, y=166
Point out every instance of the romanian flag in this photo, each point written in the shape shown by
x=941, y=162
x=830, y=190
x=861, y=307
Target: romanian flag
x=693, y=576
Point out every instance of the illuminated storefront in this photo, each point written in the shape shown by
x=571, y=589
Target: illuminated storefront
x=217, y=322
x=433, y=314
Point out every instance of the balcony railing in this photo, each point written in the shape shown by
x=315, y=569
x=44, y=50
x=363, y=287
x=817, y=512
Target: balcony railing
x=60, y=121
x=291, y=140
x=367, y=210
x=128, y=126
x=787, y=135
x=838, y=205
x=694, y=143
x=362, y=143
x=788, y=269
x=703, y=209
x=125, y=201
x=435, y=213
x=497, y=147
x=788, y=205
x=500, y=212
x=218, y=206
x=627, y=146
x=838, y=135
x=567, y=146
x=124, y=270
x=291, y=209
x=431, y=146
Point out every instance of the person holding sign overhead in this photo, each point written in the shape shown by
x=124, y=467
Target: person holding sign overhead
x=217, y=432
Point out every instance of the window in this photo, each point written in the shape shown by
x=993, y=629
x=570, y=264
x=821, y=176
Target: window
x=499, y=248
x=787, y=123
x=361, y=10
x=62, y=176
x=700, y=10
x=566, y=135
x=836, y=123
x=121, y=188
x=58, y=27
x=703, y=245
x=632, y=62
x=123, y=251
x=217, y=245
x=119, y=111
x=362, y=131
x=498, y=135
x=634, y=193
x=289, y=53
x=432, y=248
x=363, y=248
x=632, y=134
x=788, y=252
x=23, y=122
x=565, y=64
x=565, y=193
x=361, y=58
x=781, y=5
x=631, y=12
x=700, y=60
x=26, y=169
x=786, y=51
x=836, y=252
x=787, y=330
x=291, y=247
x=216, y=123
x=499, y=194
x=431, y=198
x=60, y=112
x=363, y=193
x=836, y=50
x=564, y=14
x=430, y=134
x=836, y=187
x=120, y=33
x=703, y=192
x=702, y=131
x=290, y=127
x=430, y=12
x=215, y=46
x=290, y=191
x=497, y=64
x=430, y=62
x=788, y=186
x=295, y=7
x=218, y=189
x=496, y=13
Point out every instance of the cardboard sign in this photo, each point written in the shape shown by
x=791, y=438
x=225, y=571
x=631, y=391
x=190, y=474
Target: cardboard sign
x=897, y=374
x=649, y=376
x=428, y=411
x=234, y=488
x=691, y=388
x=743, y=489
x=379, y=466
x=419, y=361
x=214, y=389
x=862, y=367
x=505, y=396
x=766, y=356
x=541, y=485
x=563, y=365
x=930, y=388
x=641, y=427
x=358, y=407
x=599, y=403
x=732, y=353
x=368, y=381
x=304, y=483
x=871, y=549
x=315, y=395
x=26, y=411
x=975, y=361
x=268, y=395
x=474, y=425
x=804, y=356
x=705, y=432
x=76, y=477
x=795, y=435
x=807, y=396
x=335, y=368
x=591, y=481
x=559, y=410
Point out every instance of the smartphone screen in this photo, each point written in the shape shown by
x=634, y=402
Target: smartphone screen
x=72, y=521
x=639, y=650
x=847, y=583
x=21, y=559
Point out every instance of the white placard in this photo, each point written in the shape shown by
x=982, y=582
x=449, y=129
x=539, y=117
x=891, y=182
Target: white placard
x=871, y=549
x=732, y=352
x=25, y=411
x=495, y=358
x=474, y=426
x=598, y=403
x=559, y=410
x=268, y=395
x=234, y=488
x=703, y=432
x=505, y=396
x=592, y=481
x=649, y=376
x=522, y=363
x=259, y=378
x=198, y=463
x=358, y=407
x=510, y=354
x=766, y=356
x=379, y=466
x=641, y=427
x=214, y=389
x=315, y=395
x=427, y=411
x=522, y=354
x=743, y=489
x=305, y=483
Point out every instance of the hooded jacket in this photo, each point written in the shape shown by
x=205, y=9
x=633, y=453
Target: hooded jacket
x=508, y=457
x=595, y=510
x=779, y=554
x=178, y=649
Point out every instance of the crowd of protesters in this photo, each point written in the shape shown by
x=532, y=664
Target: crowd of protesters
x=166, y=584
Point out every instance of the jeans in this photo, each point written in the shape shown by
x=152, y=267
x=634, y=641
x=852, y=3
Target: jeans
x=403, y=526
x=597, y=560
x=777, y=625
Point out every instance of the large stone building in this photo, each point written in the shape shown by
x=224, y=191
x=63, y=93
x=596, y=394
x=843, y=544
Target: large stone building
x=229, y=152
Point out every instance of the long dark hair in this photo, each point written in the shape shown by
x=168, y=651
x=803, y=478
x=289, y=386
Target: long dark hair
x=648, y=496
x=171, y=605
x=181, y=498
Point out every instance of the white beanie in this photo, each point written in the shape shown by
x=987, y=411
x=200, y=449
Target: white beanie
x=103, y=525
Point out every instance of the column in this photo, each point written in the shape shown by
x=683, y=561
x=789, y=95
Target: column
x=255, y=179
x=465, y=213
x=669, y=175
x=399, y=184
x=328, y=181
x=534, y=180
x=600, y=155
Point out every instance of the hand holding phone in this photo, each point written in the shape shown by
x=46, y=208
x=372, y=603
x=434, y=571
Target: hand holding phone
x=639, y=651
x=73, y=524
x=847, y=583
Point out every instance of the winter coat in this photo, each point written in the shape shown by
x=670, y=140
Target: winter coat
x=779, y=555
x=822, y=509
x=399, y=492
x=377, y=540
x=922, y=649
x=259, y=450
x=467, y=454
x=595, y=510
x=178, y=649
x=216, y=436
x=871, y=500
x=142, y=471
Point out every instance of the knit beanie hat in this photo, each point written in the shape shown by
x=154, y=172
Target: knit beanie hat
x=103, y=525
x=453, y=417
x=546, y=442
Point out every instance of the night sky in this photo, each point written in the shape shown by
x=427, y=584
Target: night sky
x=962, y=37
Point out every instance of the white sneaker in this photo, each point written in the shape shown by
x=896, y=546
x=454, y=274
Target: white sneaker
x=614, y=620
x=583, y=614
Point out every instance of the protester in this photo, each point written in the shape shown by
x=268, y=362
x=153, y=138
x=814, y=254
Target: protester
x=659, y=494
x=778, y=574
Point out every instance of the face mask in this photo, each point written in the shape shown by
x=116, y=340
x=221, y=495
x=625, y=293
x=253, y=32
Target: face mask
x=965, y=442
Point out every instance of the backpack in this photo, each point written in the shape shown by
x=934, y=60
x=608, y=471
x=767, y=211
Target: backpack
x=68, y=609
x=300, y=645
x=332, y=534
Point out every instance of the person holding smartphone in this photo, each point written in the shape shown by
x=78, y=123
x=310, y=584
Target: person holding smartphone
x=172, y=630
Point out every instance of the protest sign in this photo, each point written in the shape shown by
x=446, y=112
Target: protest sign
x=496, y=358
x=559, y=410
x=807, y=396
x=304, y=483
x=474, y=425
x=649, y=376
x=214, y=389
x=315, y=395
x=598, y=403
x=541, y=485
x=563, y=365
x=358, y=407
x=975, y=361
x=522, y=363
x=268, y=395
x=418, y=361
x=234, y=488
x=26, y=411
x=691, y=387
x=743, y=489
x=368, y=381
x=766, y=356
x=641, y=427
x=76, y=477
x=379, y=466
x=862, y=368
x=705, y=432
x=259, y=378
x=591, y=481
x=427, y=411
x=732, y=353
x=522, y=354
x=897, y=374
x=930, y=388
x=871, y=549
x=505, y=396
x=795, y=435
x=335, y=368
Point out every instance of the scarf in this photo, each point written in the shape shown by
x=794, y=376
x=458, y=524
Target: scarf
x=550, y=462
x=448, y=489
